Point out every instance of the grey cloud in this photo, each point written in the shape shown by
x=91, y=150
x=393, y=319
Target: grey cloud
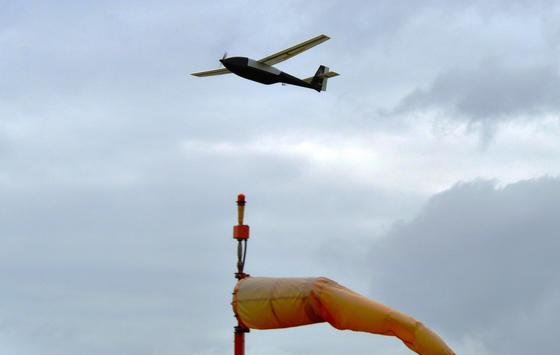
x=490, y=92
x=93, y=264
x=479, y=261
x=114, y=238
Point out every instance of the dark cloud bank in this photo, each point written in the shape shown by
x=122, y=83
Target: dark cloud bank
x=491, y=92
x=480, y=262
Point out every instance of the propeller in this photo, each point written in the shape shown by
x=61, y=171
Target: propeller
x=225, y=56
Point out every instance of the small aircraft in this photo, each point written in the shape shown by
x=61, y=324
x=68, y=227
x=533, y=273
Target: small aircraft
x=263, y=72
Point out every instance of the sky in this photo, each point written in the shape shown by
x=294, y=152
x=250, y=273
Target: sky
x=426, y=177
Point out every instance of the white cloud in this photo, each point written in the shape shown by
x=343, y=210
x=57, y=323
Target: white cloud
x=118, y=170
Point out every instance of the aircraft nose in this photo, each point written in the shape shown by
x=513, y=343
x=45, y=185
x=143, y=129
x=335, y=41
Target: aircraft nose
x=227, y=62
x=234, y=62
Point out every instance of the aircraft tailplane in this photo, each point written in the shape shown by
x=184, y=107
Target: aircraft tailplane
x=319, y=80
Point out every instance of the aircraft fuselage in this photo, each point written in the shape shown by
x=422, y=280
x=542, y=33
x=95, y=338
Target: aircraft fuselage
x=262, y=73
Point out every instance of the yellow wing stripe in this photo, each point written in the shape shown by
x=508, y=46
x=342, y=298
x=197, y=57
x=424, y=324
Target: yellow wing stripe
x=212, y=72
x=292, y=51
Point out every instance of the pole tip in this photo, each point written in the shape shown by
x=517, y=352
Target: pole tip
x=241, y=199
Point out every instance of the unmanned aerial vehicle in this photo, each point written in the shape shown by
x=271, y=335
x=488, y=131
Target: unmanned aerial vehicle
x=262, y=70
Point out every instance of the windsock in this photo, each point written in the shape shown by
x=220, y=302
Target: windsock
x=271, y=303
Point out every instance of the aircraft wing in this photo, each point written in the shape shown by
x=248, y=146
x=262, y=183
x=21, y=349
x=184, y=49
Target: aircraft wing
x=292, y=51
x=212, y=72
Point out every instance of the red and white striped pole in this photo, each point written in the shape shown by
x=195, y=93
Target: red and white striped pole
x=241, y=234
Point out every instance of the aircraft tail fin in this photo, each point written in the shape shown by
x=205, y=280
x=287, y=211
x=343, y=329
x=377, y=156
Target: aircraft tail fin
x=319, y=80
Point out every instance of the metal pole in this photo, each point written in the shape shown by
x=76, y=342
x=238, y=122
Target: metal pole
x=241, y=234
x=239, y=340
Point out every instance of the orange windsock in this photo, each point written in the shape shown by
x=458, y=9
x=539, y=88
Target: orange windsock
x=270, y=303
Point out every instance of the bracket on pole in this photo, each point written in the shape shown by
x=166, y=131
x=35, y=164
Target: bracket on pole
x=241, y=234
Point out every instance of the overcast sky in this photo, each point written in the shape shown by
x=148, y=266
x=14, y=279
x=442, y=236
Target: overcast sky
x=427, y=177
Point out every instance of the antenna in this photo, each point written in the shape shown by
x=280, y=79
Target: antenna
x=241, y=234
